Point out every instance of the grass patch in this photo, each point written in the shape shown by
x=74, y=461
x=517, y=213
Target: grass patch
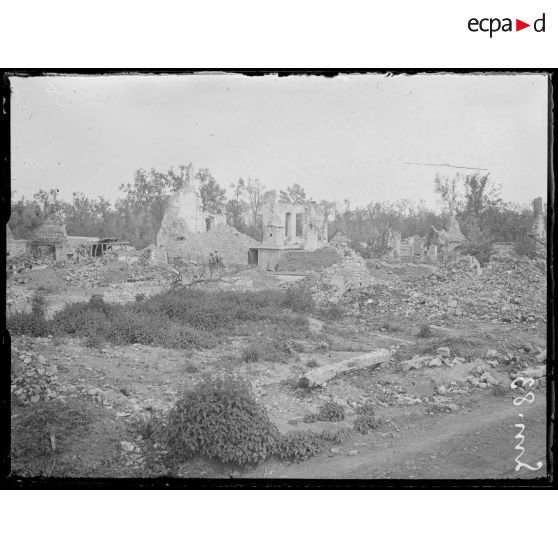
x=277, y=349
x=179, y=318
x=32, y=450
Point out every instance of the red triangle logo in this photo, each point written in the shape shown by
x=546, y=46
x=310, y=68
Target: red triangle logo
x=519, y=25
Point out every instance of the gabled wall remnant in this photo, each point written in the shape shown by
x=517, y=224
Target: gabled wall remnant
x=291, y=225
x=447, y=240
x=190, y=233
x=185, y=215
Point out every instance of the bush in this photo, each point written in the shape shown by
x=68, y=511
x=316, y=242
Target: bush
x=425, y=332
x=28, y=323
x=480, y=250
x=332, y=311
x=250, y=354
x=312, y=363
x=32, y=323
x=391, y=327
x=298, y=446
x=366, y=419
x=180, y=318
x=191, y=369
x=220, y=419
x=527, y=246
x=331, y=411
x=38, y=304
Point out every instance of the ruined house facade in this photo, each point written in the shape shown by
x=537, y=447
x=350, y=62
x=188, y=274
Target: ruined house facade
x=190, y=233
x=185, y=214
x=288, y=226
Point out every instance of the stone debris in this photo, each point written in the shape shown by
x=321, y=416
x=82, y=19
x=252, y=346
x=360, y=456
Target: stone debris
x=336, y=283
x=32, y=381
x=508, y=290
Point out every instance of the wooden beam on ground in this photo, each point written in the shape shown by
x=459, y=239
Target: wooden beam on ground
x=319, y=376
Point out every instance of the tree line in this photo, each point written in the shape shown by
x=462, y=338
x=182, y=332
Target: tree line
x=136, y=216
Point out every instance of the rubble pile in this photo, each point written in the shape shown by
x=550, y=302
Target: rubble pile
x=308, y=260
x=88, y=273
x=33, y=380
x=333, y=283
x=18, y=299
x=508, y=290
x=231, y=245
x=29, y=260
x=458, y=263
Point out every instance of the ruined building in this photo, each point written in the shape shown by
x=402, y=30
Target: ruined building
x=539, y=226
x=191, y=233
x=185, y=214
x=14, y=247
x=446, y=240
x=288, y=226
x=50, y=240
x=538, y=229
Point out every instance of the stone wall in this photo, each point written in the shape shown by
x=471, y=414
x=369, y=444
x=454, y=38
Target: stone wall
x=304, y=260
x=282, y=227
x=185, y=214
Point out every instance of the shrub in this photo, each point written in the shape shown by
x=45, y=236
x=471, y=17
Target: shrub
x=335, y=436
x=94, y=341
x=191, y=369
x=250, y=354
x=332, y=311
x=425, y=331
x=220, y=419
x=312, y=363
x=480, y=250
x=298, y=299
x=28, y=323
x=366, y=419
x=527, y=246
x=38, y=304
x=149, y=426
x=31, y=448
x=298, y=446
x=500, y=390
x=331, y=411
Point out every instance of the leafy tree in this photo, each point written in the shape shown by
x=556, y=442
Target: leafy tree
x=295, y=194
x=25, y=217
x=49, y=203
x=480, y=194
x=213, y=197
x=146, y=200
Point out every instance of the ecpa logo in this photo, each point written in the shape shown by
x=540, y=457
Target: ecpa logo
x=494, y=24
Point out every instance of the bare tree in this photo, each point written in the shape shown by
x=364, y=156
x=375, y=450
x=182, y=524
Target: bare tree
x=255, y=190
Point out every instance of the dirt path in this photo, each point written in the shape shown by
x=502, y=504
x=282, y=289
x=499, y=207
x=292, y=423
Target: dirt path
x=479, y=444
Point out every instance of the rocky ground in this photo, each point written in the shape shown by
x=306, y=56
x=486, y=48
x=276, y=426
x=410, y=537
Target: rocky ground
x=443, y=401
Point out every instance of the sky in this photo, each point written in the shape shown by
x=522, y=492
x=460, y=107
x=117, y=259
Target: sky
x=352, y=136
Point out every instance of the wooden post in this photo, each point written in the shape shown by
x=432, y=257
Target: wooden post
x=320, y=375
